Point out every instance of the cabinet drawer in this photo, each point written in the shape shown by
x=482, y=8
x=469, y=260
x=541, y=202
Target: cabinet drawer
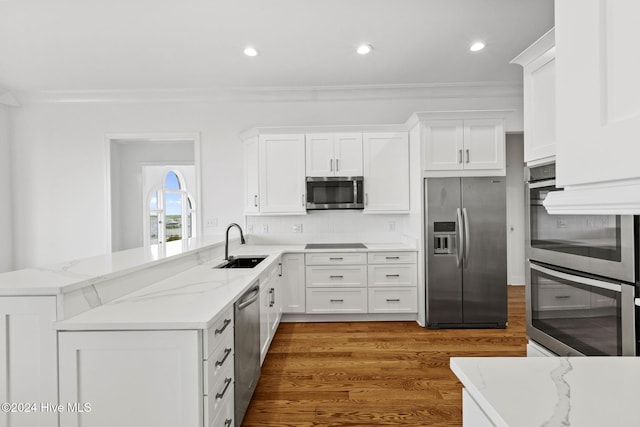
x=393, y=300
x=329, y=300
x=354, y=276
x=219, y=361
x=225, y=415
x=335, y=258
x=217, y=333
x=392, y=275
x=218, y=407
x=392, y=257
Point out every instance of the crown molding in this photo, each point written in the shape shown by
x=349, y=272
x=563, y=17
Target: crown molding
x=537, y=48
x=278, y=94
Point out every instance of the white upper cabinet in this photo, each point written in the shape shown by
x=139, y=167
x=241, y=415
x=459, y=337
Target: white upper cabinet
x=539, y=82
x=458, y=146
x=251, y=176
x=334, y=154
x=386, y=172
x=598, y=107
x=282, y=174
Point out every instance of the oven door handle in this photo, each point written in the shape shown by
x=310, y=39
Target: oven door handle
x=548, y=183
x=578, y=279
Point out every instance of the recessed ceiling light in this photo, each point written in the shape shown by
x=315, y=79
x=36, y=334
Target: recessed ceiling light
x=476, y=46
x=251, y=51
x=364, y=49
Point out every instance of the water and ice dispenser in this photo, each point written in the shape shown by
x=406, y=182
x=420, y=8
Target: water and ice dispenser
x=444, y=237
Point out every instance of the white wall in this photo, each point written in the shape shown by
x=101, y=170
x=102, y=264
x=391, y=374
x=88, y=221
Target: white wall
x=6, y=239
x=515, y=209
x=60, y=157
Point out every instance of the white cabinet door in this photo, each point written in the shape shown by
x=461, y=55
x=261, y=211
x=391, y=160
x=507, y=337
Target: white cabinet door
x=598, y=92
x=251, y=176
x=443, y=145
x=162, y=371
x=386, y=172
x=320, y=155
x=348, y=154
x=484, y=144
x=293, y=283
x=282, y=174
x=28, y=362
x=265, y=324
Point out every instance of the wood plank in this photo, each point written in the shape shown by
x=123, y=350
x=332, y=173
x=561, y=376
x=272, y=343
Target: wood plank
x=374, y=373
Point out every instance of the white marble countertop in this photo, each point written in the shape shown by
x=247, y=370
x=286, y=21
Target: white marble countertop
x=553, y=391
x=66, y=277
x=190, y=299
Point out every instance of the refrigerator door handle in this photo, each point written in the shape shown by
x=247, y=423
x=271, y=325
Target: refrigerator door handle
x=460, y=239
x=467, y=234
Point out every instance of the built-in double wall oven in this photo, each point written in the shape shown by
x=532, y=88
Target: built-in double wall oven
x=581, y=276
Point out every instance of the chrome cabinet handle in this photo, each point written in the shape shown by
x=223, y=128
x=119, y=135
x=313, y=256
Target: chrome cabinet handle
x=336, y=300
x=272, y=293
x=280, y=264
x=467, y=155
x=393, y=275
x=366, y=199
x=331, y=164
x=459, y=156
x=392, y=257
x=221, y=330
x=255, y=200
x=336, y=258
x=227, y=352
x=336, y=277
x=563, y=296
x=227, y=382
x=393, y=299
x=337, y=165
x=227, y=422
x=303, y=200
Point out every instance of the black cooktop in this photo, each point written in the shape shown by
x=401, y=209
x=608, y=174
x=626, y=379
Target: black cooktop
x=335, y=246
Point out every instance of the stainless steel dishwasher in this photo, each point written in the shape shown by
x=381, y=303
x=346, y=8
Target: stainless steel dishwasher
x=247, y=349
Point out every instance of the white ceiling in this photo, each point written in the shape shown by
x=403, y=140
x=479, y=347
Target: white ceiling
x=193, y=44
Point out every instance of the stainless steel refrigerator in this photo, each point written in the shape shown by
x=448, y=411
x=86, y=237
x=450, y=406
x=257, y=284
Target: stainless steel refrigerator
x=466, y=280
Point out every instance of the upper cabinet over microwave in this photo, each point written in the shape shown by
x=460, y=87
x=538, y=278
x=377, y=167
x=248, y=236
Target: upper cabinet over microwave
x=334, y=154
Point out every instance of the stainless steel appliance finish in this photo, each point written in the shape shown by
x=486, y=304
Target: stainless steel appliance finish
x=596, y=244
x=335, y=246
x=466, y=252
x=575, y=315
x=247, y=349
x=335, y=193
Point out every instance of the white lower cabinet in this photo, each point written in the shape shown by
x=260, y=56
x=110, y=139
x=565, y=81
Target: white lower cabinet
x=332, y=300
x=28, y=363
x=292, y=283
x=270, y=307
x=131, y=378
x=337, y=276
x=393, y=300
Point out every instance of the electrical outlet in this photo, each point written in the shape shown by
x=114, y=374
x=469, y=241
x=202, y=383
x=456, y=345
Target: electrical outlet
x=250, y=228
x=212, y=222
x=297, y=228
x=392, y=226
x=265, y=228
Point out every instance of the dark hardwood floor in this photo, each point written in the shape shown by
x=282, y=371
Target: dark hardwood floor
x=373, y=373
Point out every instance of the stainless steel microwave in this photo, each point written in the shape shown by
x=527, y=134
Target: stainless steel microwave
x=335, y=192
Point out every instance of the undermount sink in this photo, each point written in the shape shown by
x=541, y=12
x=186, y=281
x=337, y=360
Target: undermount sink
x=245, y=261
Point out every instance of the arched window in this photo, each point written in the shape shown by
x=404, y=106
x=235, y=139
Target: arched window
x=171, y=210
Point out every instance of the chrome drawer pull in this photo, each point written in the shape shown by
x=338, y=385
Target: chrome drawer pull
x=393, y=275
x=393, y=299
x=221, y=330
x=227, y=383
x=336, y=258
x=336, y=277
x=227, y=352
x=392, y=257
x=336, y=300
x=563, y=296
x=227, y=422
